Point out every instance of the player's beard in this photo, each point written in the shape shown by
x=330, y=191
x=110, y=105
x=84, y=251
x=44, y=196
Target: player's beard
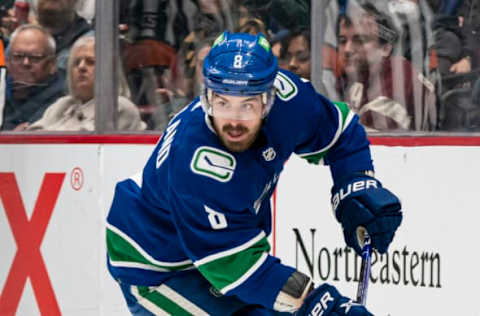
x=238, y=146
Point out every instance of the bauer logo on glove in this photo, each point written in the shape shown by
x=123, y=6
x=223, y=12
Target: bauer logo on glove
x=360, y=201
x=352, y=188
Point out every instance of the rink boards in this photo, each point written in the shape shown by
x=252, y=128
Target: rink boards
x=55, y=194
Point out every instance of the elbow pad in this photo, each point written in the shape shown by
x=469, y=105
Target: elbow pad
x=293, y=293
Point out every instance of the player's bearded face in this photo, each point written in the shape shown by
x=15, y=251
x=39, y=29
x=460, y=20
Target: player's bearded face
x=238, y=120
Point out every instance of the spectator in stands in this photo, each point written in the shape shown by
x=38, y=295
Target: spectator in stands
x=277, y=43
x=76, y=111
x=296, y=53
x=207, y=21
x=280, y=15
x=457, y=36
x=184, y=81
x=33, y=82
x=14, y=14
x=200, y=53
x=146, y=19
x=147, y=64
x=385, y=90
x=252, y=26
x=469, y=14
x=62, y=21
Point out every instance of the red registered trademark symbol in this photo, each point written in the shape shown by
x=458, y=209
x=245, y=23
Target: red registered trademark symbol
x=76, y=178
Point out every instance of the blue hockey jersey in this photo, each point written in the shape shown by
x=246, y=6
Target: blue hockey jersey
x=197, y=205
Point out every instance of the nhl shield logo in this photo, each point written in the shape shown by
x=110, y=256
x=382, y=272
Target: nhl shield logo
x=269, y=154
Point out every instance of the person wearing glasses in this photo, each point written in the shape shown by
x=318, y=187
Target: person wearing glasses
x=33, y=81
x=383, y=88
x=76, y=110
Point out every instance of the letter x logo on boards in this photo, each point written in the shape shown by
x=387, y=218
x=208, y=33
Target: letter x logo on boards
x=214, y=163
x=28, y=234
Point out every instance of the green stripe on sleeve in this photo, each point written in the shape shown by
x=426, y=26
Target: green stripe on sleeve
x=231, y=270
x=315, y=158
x=125, y=253
x=120, y=250
x=345, y=118
x=344, y=110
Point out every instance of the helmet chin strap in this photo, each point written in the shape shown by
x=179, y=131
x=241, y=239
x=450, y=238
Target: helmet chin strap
x=267, y=100
x=264, y=98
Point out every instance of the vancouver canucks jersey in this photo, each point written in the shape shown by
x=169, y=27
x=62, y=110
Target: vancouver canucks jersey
x=196, y=205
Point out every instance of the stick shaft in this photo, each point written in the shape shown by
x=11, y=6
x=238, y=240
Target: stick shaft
x=364, y=272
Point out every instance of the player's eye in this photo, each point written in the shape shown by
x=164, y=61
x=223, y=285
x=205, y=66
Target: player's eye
x=247, y=107
x=221, y=104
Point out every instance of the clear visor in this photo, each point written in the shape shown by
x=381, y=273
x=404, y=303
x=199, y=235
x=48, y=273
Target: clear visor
x=243, y=108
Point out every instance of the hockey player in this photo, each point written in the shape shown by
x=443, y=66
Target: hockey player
x=188, y=236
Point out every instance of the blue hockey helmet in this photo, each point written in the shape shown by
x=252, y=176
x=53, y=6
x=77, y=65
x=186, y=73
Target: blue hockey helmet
x=240, y=64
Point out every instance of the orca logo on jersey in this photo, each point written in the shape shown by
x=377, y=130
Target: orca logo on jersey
x=213, y=163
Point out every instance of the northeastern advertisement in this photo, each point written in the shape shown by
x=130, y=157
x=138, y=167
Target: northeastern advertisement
x=54, y=199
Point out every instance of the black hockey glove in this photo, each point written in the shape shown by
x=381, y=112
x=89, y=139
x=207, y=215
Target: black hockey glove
x=360, y=202
x=327, y=301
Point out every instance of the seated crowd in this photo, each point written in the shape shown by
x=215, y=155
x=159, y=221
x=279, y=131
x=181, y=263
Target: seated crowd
x=401, y=65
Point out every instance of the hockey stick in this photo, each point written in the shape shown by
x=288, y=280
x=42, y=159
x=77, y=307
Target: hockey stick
x=364, y=270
